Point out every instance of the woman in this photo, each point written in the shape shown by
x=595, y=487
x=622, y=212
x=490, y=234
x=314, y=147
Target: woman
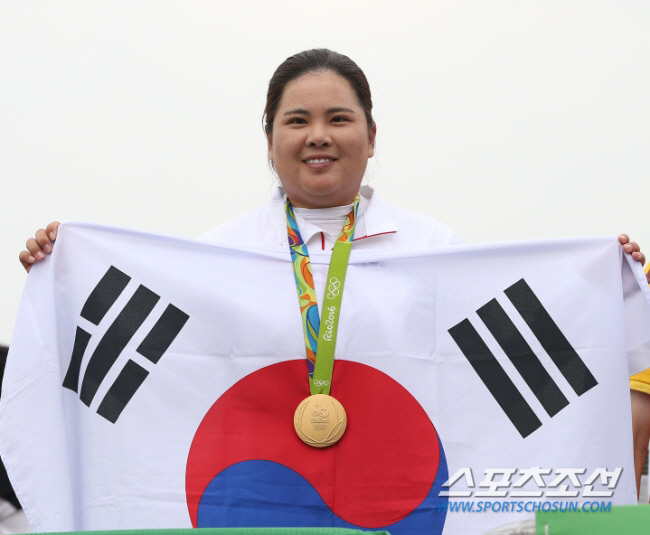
x=320, y=134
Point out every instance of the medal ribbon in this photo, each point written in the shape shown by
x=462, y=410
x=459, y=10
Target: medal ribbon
x=320, y=338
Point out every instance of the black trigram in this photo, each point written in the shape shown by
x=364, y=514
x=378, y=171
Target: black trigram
x=521, y=355
x=115, y=339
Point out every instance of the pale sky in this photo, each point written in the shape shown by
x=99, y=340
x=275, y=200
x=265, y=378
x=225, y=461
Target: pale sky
x=505, y=120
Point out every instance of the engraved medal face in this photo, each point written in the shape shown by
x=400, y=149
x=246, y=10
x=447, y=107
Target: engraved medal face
x=320, y=420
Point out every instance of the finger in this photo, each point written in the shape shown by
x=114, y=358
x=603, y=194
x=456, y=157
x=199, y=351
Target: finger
x=631, y=247
x=639, y=257
x=26, y=259
x=52, y=230
x=43, y=240
x=623, y=238
x=35, y=249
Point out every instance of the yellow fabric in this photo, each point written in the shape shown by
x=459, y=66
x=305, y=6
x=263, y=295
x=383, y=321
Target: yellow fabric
x=641, y=381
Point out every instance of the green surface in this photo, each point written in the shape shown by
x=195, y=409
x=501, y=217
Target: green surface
x=231, y=531
x=622, y=519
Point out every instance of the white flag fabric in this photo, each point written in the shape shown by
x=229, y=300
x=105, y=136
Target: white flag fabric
x=151, y=383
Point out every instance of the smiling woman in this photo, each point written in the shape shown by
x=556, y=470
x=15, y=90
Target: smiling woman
x=320, y=142
x=319, y=126
x=320, y=133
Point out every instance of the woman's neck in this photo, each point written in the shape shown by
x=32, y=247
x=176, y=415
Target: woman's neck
x=331, y=220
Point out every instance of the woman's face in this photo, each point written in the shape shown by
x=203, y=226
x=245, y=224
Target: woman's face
x=320, y=143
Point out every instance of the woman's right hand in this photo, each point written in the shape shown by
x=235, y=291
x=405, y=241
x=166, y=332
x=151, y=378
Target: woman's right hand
x=38, y=246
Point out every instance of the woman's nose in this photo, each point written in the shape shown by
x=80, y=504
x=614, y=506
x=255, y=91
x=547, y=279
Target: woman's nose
x=318, y=136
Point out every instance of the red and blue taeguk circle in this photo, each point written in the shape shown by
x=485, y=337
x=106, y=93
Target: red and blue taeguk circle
x=247, y=467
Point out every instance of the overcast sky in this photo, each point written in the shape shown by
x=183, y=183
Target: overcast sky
x=503, y=119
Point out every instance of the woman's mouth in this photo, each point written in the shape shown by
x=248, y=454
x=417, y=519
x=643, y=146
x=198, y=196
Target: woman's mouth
x=319, y=162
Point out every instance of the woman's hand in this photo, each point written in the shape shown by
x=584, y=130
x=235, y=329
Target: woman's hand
x=633, y=248
x=38, y=246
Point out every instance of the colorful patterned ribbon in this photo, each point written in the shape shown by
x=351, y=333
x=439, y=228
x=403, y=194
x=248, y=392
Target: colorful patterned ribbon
x=320, y=343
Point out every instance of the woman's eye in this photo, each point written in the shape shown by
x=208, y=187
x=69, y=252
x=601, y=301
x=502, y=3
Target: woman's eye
x=339, y=119
x=297, y=120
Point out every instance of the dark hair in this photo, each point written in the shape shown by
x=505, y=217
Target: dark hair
x=315, y=60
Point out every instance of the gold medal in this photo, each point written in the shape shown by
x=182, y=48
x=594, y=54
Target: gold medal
x=320, y=420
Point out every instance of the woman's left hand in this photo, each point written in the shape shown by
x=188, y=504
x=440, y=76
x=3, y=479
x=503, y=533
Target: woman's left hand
x=633, y=248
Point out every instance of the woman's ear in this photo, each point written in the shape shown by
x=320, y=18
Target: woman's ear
x=372, y=132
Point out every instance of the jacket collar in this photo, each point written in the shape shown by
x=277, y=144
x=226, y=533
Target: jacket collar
x=373, y=218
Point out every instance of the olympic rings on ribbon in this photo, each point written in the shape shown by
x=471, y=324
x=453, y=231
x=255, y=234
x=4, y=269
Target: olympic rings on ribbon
x=319, y=382
x=333, y=288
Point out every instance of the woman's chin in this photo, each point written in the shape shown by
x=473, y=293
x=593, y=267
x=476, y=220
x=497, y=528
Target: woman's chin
x=322, y=194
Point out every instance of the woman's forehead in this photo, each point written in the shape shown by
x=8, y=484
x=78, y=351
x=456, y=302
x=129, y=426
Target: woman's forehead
x=321, y=88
